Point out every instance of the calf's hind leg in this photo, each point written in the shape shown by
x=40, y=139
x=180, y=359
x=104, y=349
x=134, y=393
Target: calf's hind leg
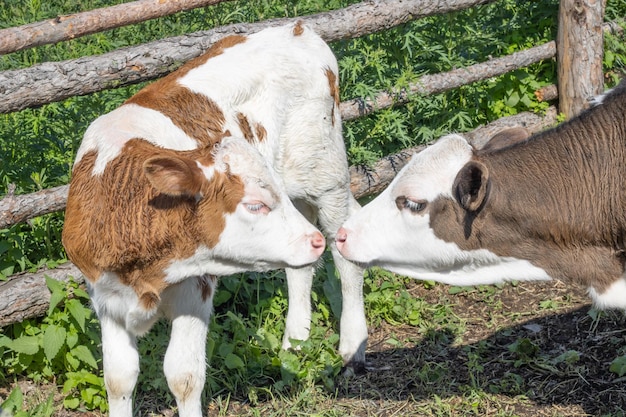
x=335, y=208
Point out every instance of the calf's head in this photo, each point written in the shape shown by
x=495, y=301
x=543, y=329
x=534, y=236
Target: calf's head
x=395, y=230
x=207, y=211
x=265, y=231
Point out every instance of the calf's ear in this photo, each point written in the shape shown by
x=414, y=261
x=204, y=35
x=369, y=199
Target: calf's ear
x=471, y=186
x=174, y=176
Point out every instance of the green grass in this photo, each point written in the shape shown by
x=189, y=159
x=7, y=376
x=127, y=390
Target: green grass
x=417, y=329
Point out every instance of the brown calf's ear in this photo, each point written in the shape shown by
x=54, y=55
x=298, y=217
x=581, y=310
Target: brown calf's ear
x=471, y=185
x=174, y=176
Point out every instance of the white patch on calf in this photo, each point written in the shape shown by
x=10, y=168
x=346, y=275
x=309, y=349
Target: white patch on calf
x=111, y=298
x=495, y=270
x=108, y=134
x=208, y=172
x=612, y=297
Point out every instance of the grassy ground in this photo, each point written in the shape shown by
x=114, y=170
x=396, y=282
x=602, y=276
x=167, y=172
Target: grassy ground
x=524, y=350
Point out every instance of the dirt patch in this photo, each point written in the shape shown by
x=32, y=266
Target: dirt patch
x=537, y=349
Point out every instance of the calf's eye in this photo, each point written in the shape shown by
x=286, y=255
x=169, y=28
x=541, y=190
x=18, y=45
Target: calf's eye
x=257, y=208
x=415, y=206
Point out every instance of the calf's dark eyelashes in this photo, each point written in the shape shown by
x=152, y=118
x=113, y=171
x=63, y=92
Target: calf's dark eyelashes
x=415, y=206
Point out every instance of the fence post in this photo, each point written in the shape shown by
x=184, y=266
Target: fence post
x=579, y=54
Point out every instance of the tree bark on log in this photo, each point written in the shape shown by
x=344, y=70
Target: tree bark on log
x=72, y=26
x=19, y=208
x=547, y=93
x=438, y=83
x=25, y=295
x=580, y=51
x=55, y=81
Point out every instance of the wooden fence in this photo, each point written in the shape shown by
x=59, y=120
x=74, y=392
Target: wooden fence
x=580, y=71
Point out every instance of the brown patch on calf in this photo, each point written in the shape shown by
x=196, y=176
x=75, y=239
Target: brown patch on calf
x=195, y=114
x=206, y=283
x=261, y=133
x=333, y=86
x=556, y=200
x=244, y=126
x=149, y=300
x=119, y=222
x=298, y=28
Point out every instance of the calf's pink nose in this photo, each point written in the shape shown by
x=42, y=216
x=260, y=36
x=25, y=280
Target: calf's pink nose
x=318, y=242
x=342, y=235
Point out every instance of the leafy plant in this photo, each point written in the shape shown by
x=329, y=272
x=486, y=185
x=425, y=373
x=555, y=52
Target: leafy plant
x=525, y=350
x=63, y=347
x=618, y=366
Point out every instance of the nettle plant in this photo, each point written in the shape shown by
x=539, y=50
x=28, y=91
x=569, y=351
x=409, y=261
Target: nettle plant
x=393, y=59
x=62, y=347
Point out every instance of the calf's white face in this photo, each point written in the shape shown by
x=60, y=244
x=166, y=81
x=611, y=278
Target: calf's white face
x=264, y=232
x=394, y=231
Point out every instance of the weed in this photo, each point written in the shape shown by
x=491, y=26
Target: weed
x=62, y=348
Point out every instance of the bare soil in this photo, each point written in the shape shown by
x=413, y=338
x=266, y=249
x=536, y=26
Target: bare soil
x=554, y=317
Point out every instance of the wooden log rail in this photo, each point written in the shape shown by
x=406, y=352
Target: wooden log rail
x=63, y=28
x=55, y=81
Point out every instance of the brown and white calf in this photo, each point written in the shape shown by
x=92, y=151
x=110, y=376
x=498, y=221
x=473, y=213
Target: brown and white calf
x=199, y=175
x=552, y=206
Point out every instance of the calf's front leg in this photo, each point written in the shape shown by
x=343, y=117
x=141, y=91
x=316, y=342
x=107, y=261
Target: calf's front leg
x=298, y=323
x=121, y=366
x=189, y=306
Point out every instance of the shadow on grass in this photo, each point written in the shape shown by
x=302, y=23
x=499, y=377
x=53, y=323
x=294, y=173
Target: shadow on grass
x=561, y=359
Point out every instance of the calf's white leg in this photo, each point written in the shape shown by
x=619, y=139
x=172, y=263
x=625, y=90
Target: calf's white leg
x=299, y=283
x=353, y=327
x=298, y=324
x=121, y=366
x=335, y=208
x=188, y=305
